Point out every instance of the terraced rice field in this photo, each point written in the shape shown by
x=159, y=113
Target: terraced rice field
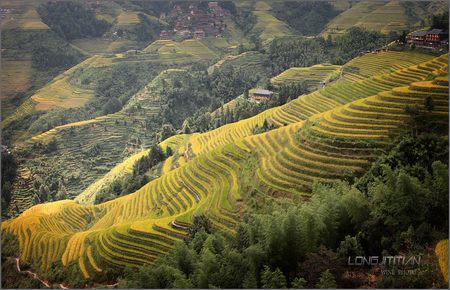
x=29, y=20
x=101, y=45
x=113, y=136
x=347, y=89
x=381, y=62
x=127, y=18
x=15, y=73
x=137, y=228
x=340, y=92
x=382, y=16
x=329, y=136
x=59, y=93
x=15, y=78
x=351, y=17
x=268, y=26
x=125, y=167
x=341, y=142
x=249, y=60
x=312, y=76
x=193, y=47
x=233, y=34
x=441, y=251
x=387, y=18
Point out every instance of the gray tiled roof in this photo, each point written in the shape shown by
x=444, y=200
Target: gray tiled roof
x=419, y=33
x=437, y=31
x=262, y=92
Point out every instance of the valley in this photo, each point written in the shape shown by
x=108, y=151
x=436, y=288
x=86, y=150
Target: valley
x=133, y=149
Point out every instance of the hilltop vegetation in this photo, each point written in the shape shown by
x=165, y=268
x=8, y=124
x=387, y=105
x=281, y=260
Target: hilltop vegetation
x=149, y=221
x=302, y=52
x=71, y=20
x=41, y=55
x=308, y=18
x=149, y=162
x=384, y=16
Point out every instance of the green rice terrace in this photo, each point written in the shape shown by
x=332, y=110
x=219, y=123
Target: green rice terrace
x=176, y=144
x=321, y=136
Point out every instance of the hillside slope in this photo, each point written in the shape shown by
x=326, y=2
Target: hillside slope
x=382, y=16
x=323, y=143
x=192, y=144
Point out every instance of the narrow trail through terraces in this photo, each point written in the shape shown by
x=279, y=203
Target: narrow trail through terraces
x=34, y=275
x=45, y=283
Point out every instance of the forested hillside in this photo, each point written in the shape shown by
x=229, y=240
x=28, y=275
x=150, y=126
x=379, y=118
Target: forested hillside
x=230, y=144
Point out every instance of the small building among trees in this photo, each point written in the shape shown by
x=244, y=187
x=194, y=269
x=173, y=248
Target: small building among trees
x=430, y=39
x=261, y=95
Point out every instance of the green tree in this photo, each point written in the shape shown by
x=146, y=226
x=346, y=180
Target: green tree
x=186, y=128
x=51, y=146
x=326, y=281
x=162, y=277
x=167, y=130
x=113, y=105
x=9, y=172
x=350, y=247
x=183, y=258
x=71, y=19
x=272, y=279
x=169, y=151
x=199, y=223
x=299, y=283
x=10, y=245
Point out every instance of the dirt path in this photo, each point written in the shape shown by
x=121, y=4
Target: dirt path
x=34, y=275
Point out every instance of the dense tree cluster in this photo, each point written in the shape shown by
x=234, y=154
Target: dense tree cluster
x=243, y=108
x=231, y=81
x=149, y=7
x=132, y=182
x=285, y=244
x=199, y=92
x=289, y=52
x=440, y=21
x=45, y=57
x=49, y=52
x=113, y=86
x=147, y=30
x=113, y=105
x=10, y=277
x=289, y=91
x=183, y=95
x=307, y=17
x=9, y=172
x=71, y=19
x=356, y=41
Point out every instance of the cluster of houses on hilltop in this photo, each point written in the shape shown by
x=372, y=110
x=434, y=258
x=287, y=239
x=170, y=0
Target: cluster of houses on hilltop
x=434, y=38
x=195, y=21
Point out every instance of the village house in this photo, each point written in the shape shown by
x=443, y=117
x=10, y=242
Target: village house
x=195, y=22
x=261, y=95
x=199, y=33
x=429, y=39
x=435, y=37
x=184, y=32
x=417, y=38
x=164, y=34
x=213, y=5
